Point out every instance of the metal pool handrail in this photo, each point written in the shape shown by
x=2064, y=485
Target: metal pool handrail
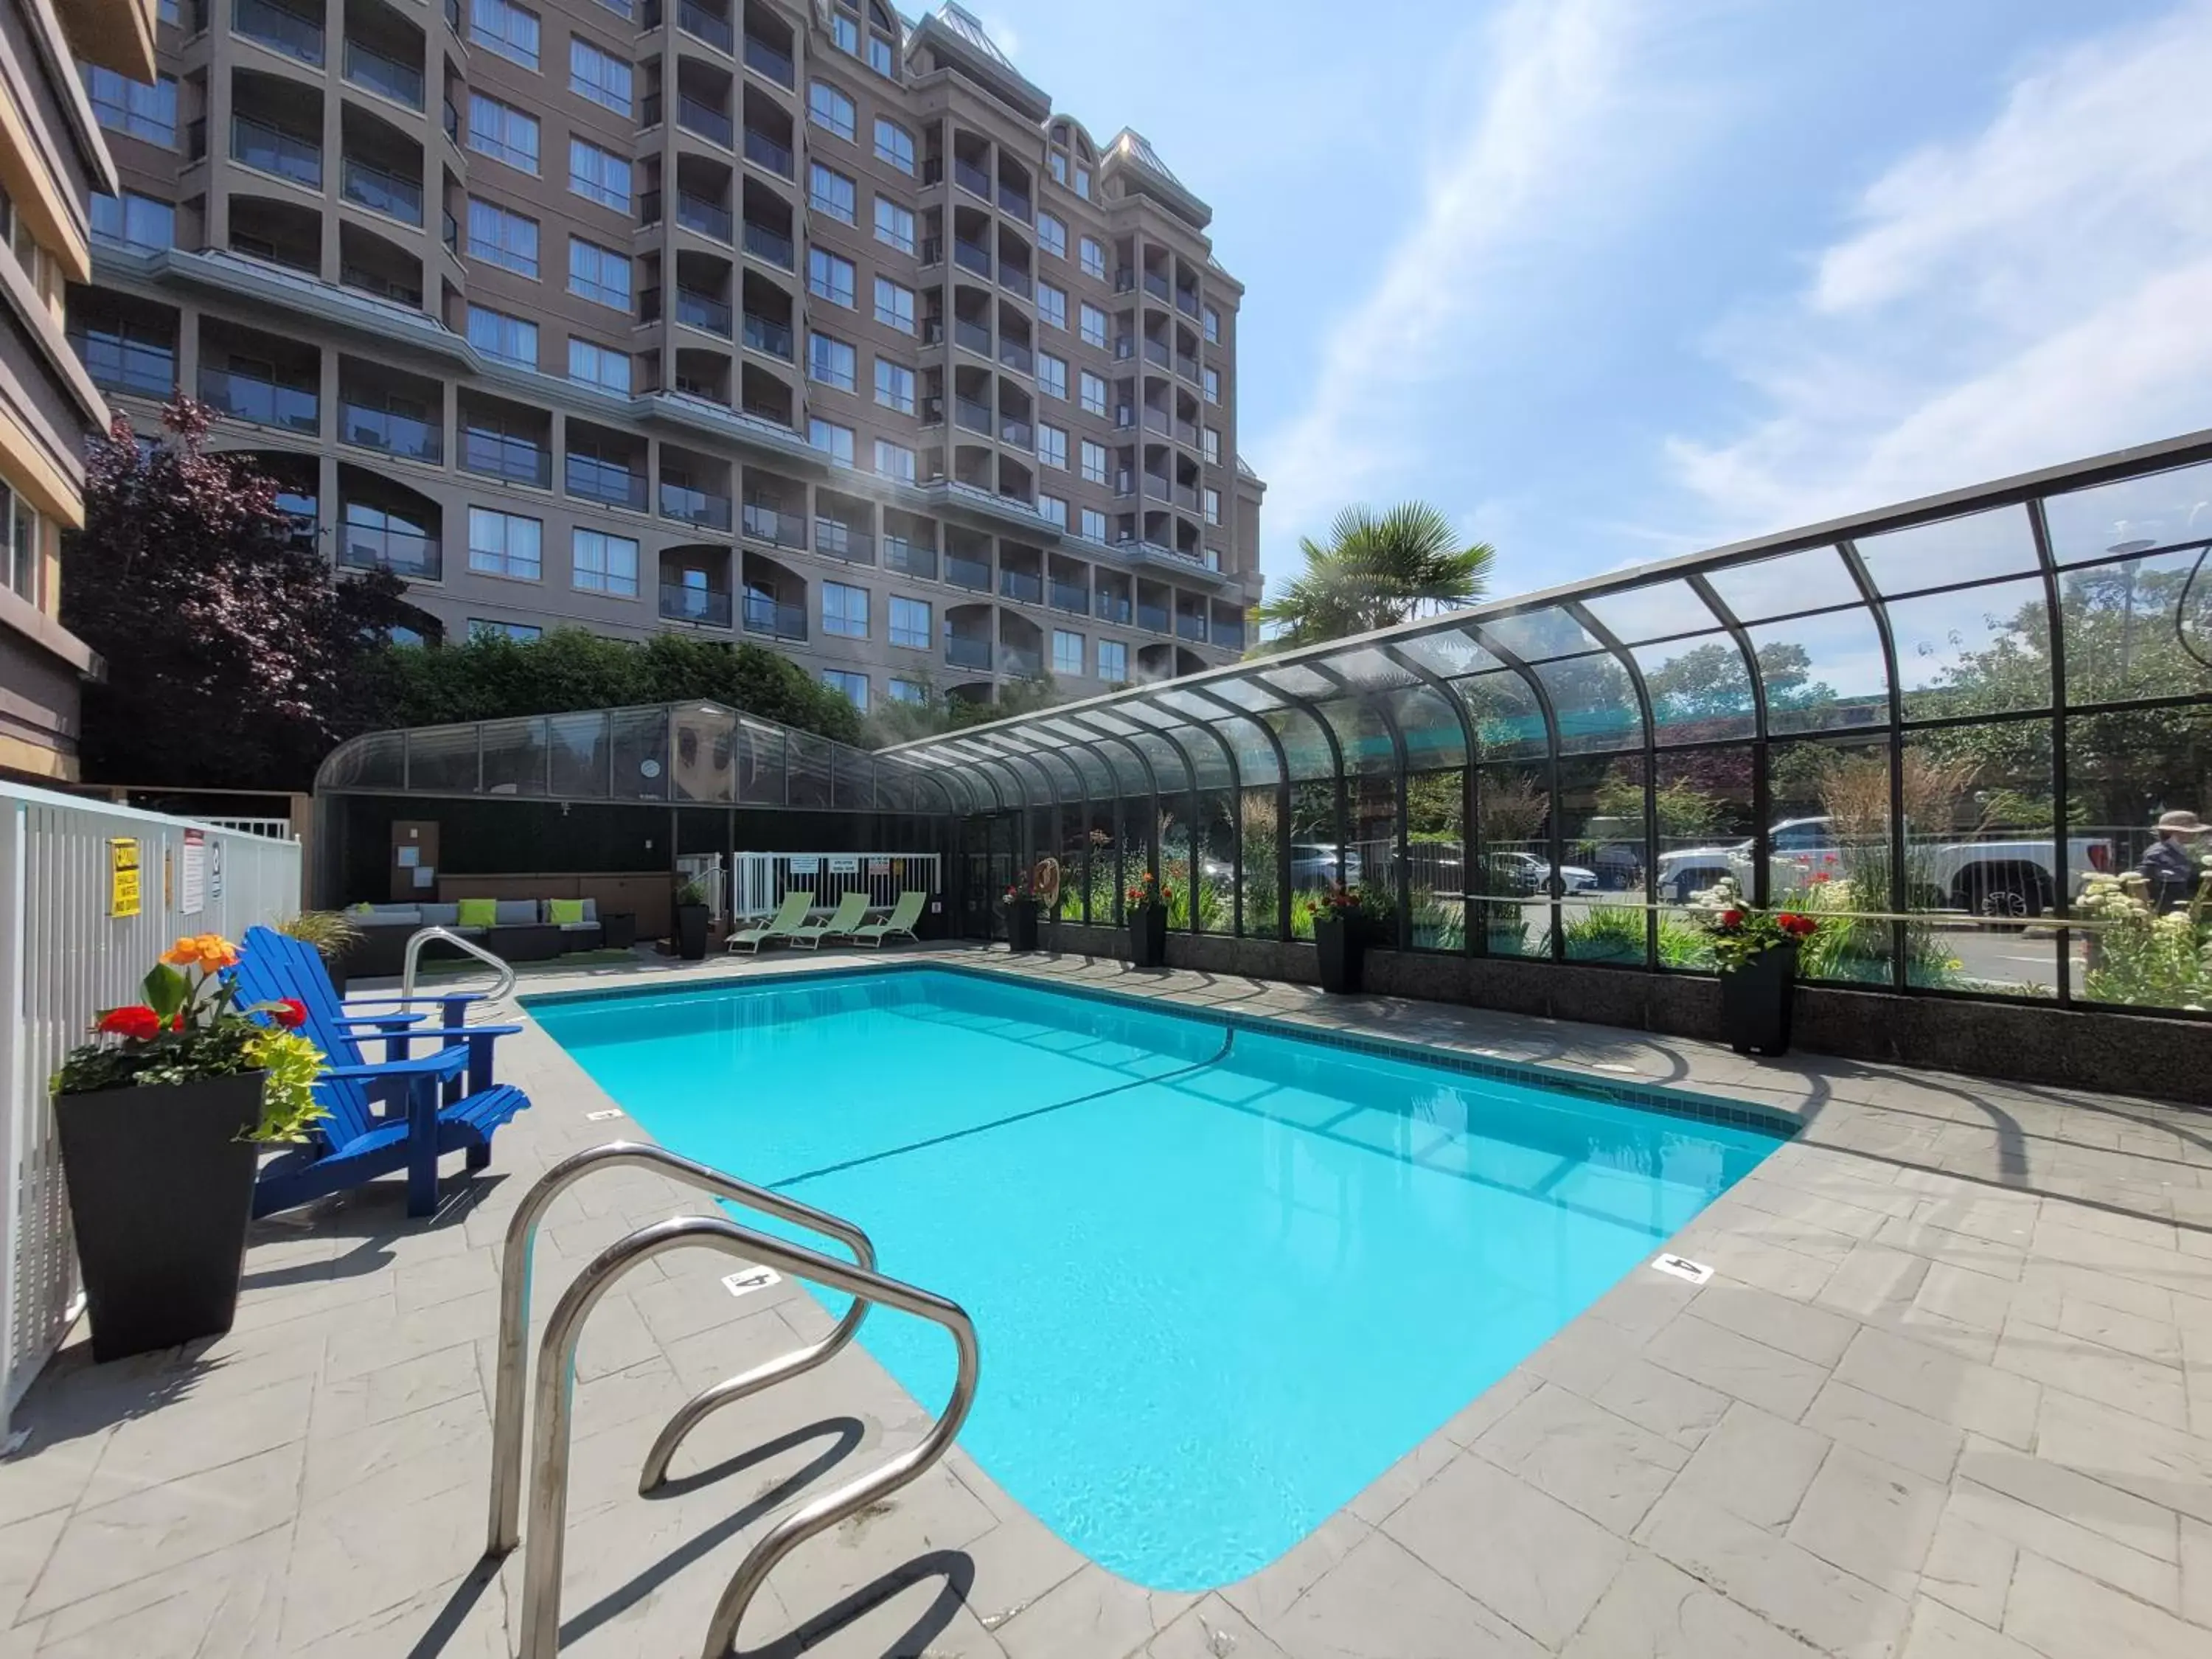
x=422, y=936
x=549, y=1491
x=504, y=1532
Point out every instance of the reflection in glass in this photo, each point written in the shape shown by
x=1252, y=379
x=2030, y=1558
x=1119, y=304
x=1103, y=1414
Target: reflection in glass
x=1436, y=853
x=579, y=755
x=1699, y=688
x=1657, y=612
x=1259, y=877
x=2163, y=509
x=1594, y=703
x=443, y=758
x=1813, y=580
x=1978, y=651
x=1513, y=859
x=1507, y=723
x=1822, y=673
x=1980, y=859
x=1704, y=801
x=1950, y=551
x=2125, y=769
x=1603, y=916
x=1828, y=854
x=2125, y=627
x=514, y=757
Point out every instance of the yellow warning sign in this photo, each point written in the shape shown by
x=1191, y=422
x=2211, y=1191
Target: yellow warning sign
x=123, y=892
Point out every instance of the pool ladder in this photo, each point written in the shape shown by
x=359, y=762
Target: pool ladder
x=554, y=1393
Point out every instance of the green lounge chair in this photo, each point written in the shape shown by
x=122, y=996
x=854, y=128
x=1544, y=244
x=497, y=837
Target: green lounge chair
x=904, y=915
x=850, y=909
x=789, y=917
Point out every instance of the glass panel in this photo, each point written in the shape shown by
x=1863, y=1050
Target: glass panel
x=1371, y=859
x=1812, y=581
x=705, y=768
x=807, y=759
x=514, y=757
x=376, y=761
x=1656, y=612
x=1429, y=727
x=1298, y=681
x=1978, y=651
x=2162, y=509
x=1436, y=853
x=1313, y=851
x=580, y=754
x=1246, y=693
x=1303, y=746
x=1829, y=853
x=1999, y=543
x=2124, y=771
x=2124, y=624
x=1822, y=673
x=1255, y=756
x=1362, y=738
x=1703, y=800
x=443, y=758
x=1097, y=779
x=1216, y=878
x=1258, y=876
x=853, y=782
x=759, y=765
x=1508, y=724
x=1168, y=768
x=1594, y=703
x=1366, y=669
x=1979, y=858
x=1101, y=903
x=1601, y=819
x=1513, y=858
x=1539, y=635
x=640, y=742
x=1699, y=688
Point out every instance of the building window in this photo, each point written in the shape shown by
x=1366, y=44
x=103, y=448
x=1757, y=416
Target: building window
x=854, y=686
x=845, y=610
x=1052, y=236
x=1094, y=525
x=1058, y=168
x=846, y=33
x=133, y=107
x=1066, y=652
x=894, y=225
x=1213, y=507
x=605, y=563
x=1083, y=183
x=126, y=356
x=502, y=132
x=1052, y=446
x=1094, y=257
x=505, y=545
x=599, y=76
x=834, y=440
x=506, y=29
x=1094, y=462
x=1094, y=393
x=826, y=106
x=502, y=238
x=141, y=221
x=894, y=304
x=599, y=175
x=895, y=144
x=894, y=387
x=622, y=9
x=20, y=557
x=895, y=460
x=1113, y=661
x=520, y=633
x=1052, y=305
x=910, y=623
x=911, y=692
x=1209, y=439
x=882, y=57
x=1053, y=510
x=510, y=339
x=599, y=274
x=1213, y=385
x=598, y=365
x=830, y=277
x=1052, y=376
x=831, y=192
x=832, y=361
x=1212, y=325
x=1093, y=322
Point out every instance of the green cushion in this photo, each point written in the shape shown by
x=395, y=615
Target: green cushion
x=560, y=912
x=479, y=913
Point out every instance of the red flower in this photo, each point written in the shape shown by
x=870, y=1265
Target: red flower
x=1731, y=918
x=138, y=1022
x=1797, y=926
x=290, y=1012
x=1822, y=875
x=178, y=1023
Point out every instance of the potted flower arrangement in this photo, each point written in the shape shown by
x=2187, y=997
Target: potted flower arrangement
x=1146, y=905
x=1756, y=951
x=691, y=918
x=1339, y=939
x=160, y=1119
x=1022, y=907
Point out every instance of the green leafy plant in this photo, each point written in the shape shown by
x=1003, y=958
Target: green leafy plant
x=2141, y=957
x=692, y=893
x=1740, y=932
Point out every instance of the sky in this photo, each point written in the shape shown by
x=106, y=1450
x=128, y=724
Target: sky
x=1611, y=281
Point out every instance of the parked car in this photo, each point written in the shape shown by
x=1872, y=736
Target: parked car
x=1313, y=864
x=1524, y=872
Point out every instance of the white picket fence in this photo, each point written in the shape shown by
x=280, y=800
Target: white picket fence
x=761, y=879
x=63, y=958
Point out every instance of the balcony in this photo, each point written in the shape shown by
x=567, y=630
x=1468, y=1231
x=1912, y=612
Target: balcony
x=1022, y=586
x=265, y=403
x=840, y=541
x=591, y=479
x=1113, y=607
x=1186, y=497
x=696, y=507
x=258, y=144
x=680, y=602
x=772, y=246
x=697, y=115
x=370, y=428
x=1187, y=366
x=279, y=29
x=1125, y=281
x=1190, y=627
x=1229, y=636
x=494, y=454
x=695, y=212
x=1016, y=356
x=1187, y=301
x=974, y=335
x=1021, y=664
x=963, y=653
x=975, y=575
x=778, y=622
x=763, y=335
x=1019, y=434
x=1158, y=489
x=766, y=152
x=779, y=529
x=381, y=190
x=702, y=24
x=379, y=547
x=1071, y=596
x=966, y=254
x=704, y=312
x=1014, y=202
x=971, y=179
x=1157, y=285
x=367, y=68
x=1124, y=348
x=1156, y=351
x=768, y=60
x=1153, y=619
x=900, y=554
x=1158, y=420
x=972, y=416
x=1015, y=281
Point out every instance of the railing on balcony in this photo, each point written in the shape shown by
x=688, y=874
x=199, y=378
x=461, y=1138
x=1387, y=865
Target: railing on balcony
x=1015, y=279
x=697, y=21
x=1014, y=202
x=450, y=233
x=604, y=482
x=1228, y=635
x=933, y=252
x=1023, y=586
x=1021, y=664
x=697, y=115
x=963, y=651
x=914, y=558
x=382, y=190
x=1016, y=356
x=1187, y=301
x=780, y=622
x=966, y=253
x=763, y=149
x=701, y=508
x=1186, y=497
x=974, y=574
x=971, y=178
x=266, y=402
x=1157, y=351
x=1113, y=607
x=696, y=212
x=498, y=455
x=1187, y=366
x=380, y=547
x=975, y=416
x=702, y=310
x=258, y=144
x=1018, y=433
x=1152, y=618
x=1124, y=348
x=1189, y=627
x=1187, y=432
x=1125, y=280
x=682, y=602
x=649, y=110
x=279, y=28
x=1157, y=285
x=402, y=436
x=770, y=61
x=768, y=244
x=764, y=334
x=765, y=523
x=1158, y=489
x=840, y=540
x=365, y=66
x=1072, y=596
x=452, y=119
x=1157, y=420
x=974, y=335
x=933, y=409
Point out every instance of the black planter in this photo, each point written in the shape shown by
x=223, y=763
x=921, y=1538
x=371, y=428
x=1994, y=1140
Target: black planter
x=1756, y=1001
x=1148, y=937
x=691, y=932
x=1343, y=954
x=336, y=968
x=1022, y=924
x=160, y=1186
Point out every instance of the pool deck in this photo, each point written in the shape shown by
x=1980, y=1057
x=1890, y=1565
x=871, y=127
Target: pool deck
x=1948, y=1393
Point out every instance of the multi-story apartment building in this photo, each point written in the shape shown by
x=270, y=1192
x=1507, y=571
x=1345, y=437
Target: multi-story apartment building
x=783, y=321
x=51, y=161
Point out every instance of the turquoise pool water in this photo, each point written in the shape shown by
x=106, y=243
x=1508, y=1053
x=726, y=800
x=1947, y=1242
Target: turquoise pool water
x=1222, y=1278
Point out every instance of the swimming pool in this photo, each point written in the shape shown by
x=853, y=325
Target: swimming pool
x=1224, y=1277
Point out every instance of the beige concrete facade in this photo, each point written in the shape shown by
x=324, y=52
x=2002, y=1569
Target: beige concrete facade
x=685, y=289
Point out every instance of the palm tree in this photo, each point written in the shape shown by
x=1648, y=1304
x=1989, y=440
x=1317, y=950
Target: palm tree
x=1376, y=570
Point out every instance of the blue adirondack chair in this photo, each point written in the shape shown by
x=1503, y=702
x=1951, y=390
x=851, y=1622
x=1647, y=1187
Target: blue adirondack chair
x=433, y=1103
x=273, y=966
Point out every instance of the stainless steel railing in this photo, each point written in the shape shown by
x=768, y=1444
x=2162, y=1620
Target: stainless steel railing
x=422, y=936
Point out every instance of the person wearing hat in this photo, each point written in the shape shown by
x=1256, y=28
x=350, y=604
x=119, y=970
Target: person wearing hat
x=2171, y=867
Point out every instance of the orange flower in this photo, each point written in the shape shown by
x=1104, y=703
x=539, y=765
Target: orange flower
x=209, y=952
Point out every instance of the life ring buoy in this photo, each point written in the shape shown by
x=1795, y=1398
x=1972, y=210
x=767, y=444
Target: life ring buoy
x=1044, y=882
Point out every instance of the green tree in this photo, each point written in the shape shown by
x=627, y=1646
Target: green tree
x=1374, y=570
x=939, y=713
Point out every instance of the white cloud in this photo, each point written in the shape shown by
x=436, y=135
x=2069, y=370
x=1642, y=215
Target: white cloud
x=2036, y=292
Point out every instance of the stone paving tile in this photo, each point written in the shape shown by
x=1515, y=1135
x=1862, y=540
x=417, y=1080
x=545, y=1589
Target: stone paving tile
x=1654, y=1611
x=2057, y=1612
x=1869, y=1517
x=1938, y=1631
x=1755, y=1465
x=1943, y=1386
x=1968, y=1568
x=1383, y=1602
x=1584, y=1455
x=1737, y=1365
x=1882, y=1428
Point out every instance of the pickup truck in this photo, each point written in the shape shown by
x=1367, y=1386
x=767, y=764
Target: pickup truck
x=2004, y=880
